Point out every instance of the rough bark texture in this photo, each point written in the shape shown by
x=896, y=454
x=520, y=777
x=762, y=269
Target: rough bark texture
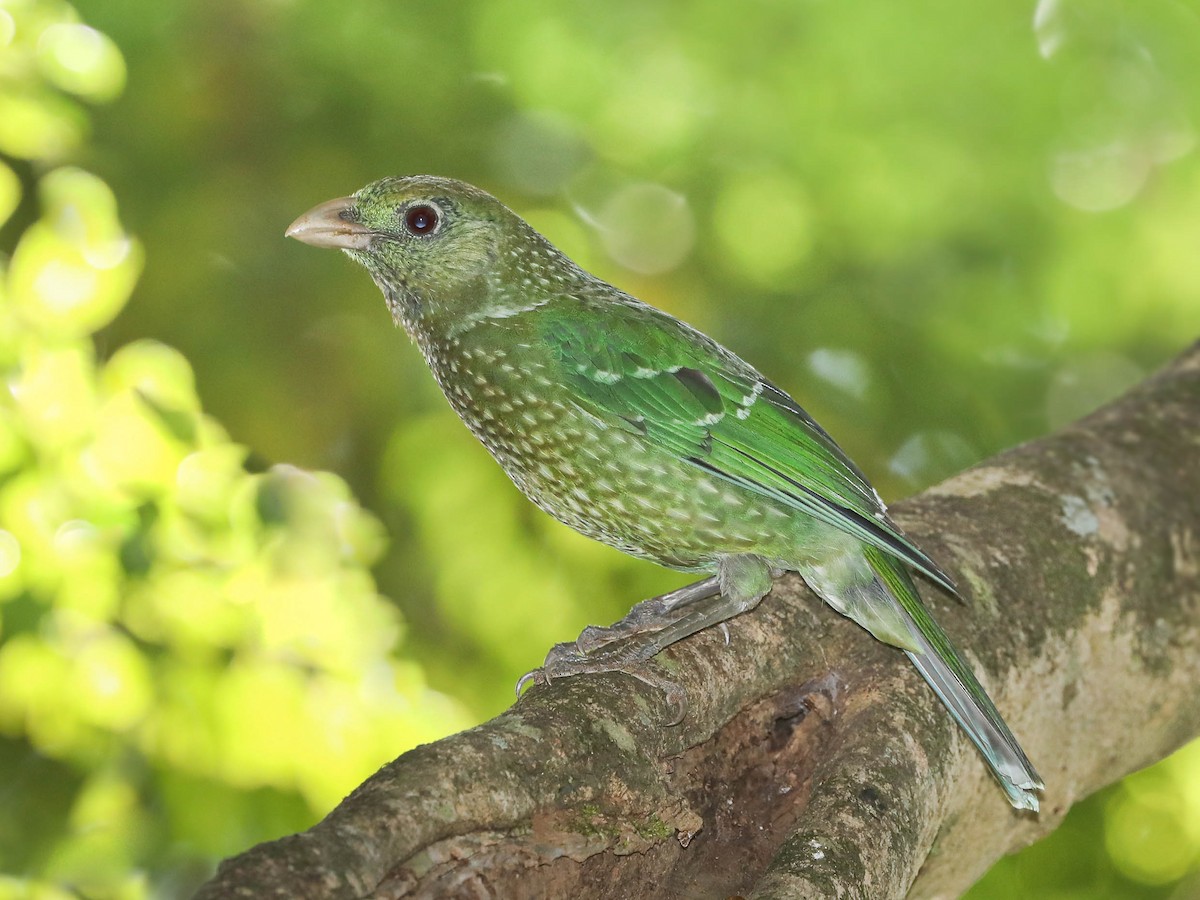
x=813, y=761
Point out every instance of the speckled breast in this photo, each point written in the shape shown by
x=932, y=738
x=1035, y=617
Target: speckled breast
x=606, y=482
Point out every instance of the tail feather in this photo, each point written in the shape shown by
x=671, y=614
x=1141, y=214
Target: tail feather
x=954, y=683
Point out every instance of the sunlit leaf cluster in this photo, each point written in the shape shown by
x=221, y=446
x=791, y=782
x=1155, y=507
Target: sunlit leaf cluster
x=193, y=656
x=49, y=61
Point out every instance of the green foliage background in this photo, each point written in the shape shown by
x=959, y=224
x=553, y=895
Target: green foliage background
x=946, y=228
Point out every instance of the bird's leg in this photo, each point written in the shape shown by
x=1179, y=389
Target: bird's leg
x=649, y=615
x=742, y=581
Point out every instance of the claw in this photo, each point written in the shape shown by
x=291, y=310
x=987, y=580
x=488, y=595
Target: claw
x=674, y=695
x=534, y=676
x=566, y=660
x=559, y=662
x=676, y=698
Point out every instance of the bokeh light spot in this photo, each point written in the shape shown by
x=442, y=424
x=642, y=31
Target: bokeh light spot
x=647, y=228
x=765, y=226
x=1048, y=27
x=538, y=152
x=1082, y=384
x=652, y=108
x=8, y=27
x=1100, y=177
x=844, y=369
x=929, y=456
x=1144, y=839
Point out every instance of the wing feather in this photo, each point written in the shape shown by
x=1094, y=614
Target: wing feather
x=641, y=369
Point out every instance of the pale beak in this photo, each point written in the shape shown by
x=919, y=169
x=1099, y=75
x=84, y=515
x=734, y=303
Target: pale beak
x=331, y=224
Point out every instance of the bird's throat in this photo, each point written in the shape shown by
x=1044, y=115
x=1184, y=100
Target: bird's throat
x=404, y=303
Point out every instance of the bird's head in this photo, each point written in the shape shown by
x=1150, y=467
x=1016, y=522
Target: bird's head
x=436, y=247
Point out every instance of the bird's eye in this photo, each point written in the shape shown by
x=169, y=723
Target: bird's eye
x=421, y=219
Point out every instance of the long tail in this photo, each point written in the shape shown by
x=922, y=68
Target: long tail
x=952, y=680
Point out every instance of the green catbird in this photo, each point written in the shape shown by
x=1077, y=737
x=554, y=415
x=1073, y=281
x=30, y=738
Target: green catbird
x=637, y=430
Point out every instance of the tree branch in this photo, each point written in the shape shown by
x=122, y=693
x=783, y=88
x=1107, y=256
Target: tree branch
x=813, y=761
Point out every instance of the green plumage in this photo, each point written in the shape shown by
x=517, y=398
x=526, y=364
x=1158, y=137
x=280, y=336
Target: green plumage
x=637, y=430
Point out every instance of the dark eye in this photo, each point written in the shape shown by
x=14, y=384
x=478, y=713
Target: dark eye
x=421, y=219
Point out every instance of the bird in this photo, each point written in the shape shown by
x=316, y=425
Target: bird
x=637, y=430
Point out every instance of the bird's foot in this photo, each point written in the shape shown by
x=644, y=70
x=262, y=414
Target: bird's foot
x=568, y=659
x=648, y=616
x=630, y=645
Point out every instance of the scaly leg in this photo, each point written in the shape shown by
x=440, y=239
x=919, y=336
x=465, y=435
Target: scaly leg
x=655, y=624
x=649, y=615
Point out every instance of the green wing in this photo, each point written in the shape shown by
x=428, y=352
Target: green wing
x=635, y=367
